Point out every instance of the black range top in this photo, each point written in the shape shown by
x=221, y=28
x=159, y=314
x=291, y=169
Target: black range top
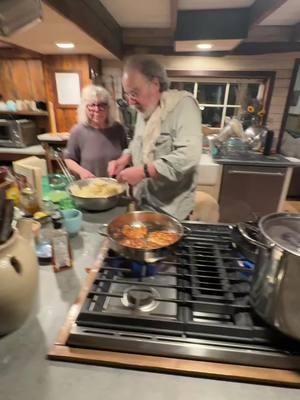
x=194, y=305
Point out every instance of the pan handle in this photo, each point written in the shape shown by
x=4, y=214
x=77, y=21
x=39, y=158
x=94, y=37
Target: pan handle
x=242, y=228
x=101, y=230
x=187, y=230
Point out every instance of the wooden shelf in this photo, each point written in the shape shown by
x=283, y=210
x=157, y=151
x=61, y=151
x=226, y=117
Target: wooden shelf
x=29, y=113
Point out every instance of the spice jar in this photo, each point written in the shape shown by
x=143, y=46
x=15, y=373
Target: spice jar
x=29, y=202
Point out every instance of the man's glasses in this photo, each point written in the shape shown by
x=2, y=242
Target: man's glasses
x=97, y=106
x=131, y=95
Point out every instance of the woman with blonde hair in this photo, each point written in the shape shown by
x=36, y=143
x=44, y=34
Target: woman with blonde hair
x=97, y=138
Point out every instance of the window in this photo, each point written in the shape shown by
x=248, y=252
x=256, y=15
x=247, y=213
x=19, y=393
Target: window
x=219, y=98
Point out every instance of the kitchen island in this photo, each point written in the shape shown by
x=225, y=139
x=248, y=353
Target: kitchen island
x=25, y=372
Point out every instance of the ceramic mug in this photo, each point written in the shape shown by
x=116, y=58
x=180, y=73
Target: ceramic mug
x=72, y=220
x=11, y=105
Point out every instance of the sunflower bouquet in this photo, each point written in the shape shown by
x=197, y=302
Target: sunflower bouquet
x=254, y=114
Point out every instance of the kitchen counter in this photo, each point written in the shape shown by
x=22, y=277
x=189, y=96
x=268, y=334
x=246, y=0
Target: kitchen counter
x=36, y=150
x=26, y=374
x=252, y=158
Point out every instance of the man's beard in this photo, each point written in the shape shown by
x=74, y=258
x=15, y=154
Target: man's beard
x=147, y=113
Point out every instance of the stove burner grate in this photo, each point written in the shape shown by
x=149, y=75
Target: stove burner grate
x=141, y=299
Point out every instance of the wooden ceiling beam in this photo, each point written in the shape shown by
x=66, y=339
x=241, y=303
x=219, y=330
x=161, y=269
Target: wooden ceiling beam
x=295, y=35
x=147, y=37
x=261, y=9
x=94, y=19
x=266, y=48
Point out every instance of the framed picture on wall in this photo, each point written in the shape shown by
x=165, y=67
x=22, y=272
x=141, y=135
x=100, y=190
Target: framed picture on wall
x=68, y=88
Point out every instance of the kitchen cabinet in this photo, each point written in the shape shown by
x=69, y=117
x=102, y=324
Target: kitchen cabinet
x=248, y=191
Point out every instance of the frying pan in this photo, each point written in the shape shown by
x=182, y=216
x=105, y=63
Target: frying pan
x=153, y=221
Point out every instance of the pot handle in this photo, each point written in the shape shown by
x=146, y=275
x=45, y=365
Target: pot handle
x=242, y=229
x=101, y=230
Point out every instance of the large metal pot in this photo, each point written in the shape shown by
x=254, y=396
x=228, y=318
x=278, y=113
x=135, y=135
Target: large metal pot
x=95, y=203
x=153, y=221
x=275, y=291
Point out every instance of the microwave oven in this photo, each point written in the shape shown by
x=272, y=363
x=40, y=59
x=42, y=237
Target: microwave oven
x=17, y=133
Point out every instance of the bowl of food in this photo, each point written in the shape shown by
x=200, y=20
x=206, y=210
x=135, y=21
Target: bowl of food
x=96, y=194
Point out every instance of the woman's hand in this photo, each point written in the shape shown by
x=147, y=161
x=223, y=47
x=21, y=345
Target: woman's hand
x=85, y=174
x=132, y=175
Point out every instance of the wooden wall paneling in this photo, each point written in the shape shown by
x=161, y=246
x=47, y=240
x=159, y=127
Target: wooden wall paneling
x=8, y=89
x=36, y=76
x=22, y=79
x=65, y=117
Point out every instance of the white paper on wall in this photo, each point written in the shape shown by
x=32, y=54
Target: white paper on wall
x=67, y=87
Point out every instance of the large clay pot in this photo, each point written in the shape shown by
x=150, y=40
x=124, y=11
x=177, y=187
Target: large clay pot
x=18, y=278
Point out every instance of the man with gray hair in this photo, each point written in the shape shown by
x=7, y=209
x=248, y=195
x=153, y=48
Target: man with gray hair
x=167, y=143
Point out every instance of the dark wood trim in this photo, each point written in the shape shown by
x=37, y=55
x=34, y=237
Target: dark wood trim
x=270, y=81
x=287, y=104
x=221, y=74
x=243, y=49
x=169, y=51
x=261, y=9
x=173, y=13
x=295, y=35
x=93, y=18
x=246, y=48
x=18, y=52
x=267, y=76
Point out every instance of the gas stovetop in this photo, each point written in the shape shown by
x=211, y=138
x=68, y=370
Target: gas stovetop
x=193, y=305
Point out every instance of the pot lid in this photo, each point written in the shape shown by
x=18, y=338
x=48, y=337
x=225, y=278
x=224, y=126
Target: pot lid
x=283, y=229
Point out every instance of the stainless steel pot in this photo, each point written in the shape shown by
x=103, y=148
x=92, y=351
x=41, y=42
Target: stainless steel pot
x=275, y=291
x=95, y=203
x=153, y=221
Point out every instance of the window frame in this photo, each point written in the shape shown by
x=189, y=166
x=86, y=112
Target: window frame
x=267, y=78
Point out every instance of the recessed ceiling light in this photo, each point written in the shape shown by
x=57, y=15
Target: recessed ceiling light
x=204, y=46
x=65, y=45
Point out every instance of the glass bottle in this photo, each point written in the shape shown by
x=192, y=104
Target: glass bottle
x=28, y=201
x=61, y=248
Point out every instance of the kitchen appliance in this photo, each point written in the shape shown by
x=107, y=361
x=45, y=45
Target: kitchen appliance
x=19, y=14
x=190, y=315
x=17, y=133
x=275, y=294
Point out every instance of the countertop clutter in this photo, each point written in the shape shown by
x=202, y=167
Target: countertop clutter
x=26, y=373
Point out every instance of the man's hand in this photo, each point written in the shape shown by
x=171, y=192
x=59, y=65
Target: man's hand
x=132, y=175
x=85, y=174
x=116, y=166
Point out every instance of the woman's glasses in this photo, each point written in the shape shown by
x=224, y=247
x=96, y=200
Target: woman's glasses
x=97, y=106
